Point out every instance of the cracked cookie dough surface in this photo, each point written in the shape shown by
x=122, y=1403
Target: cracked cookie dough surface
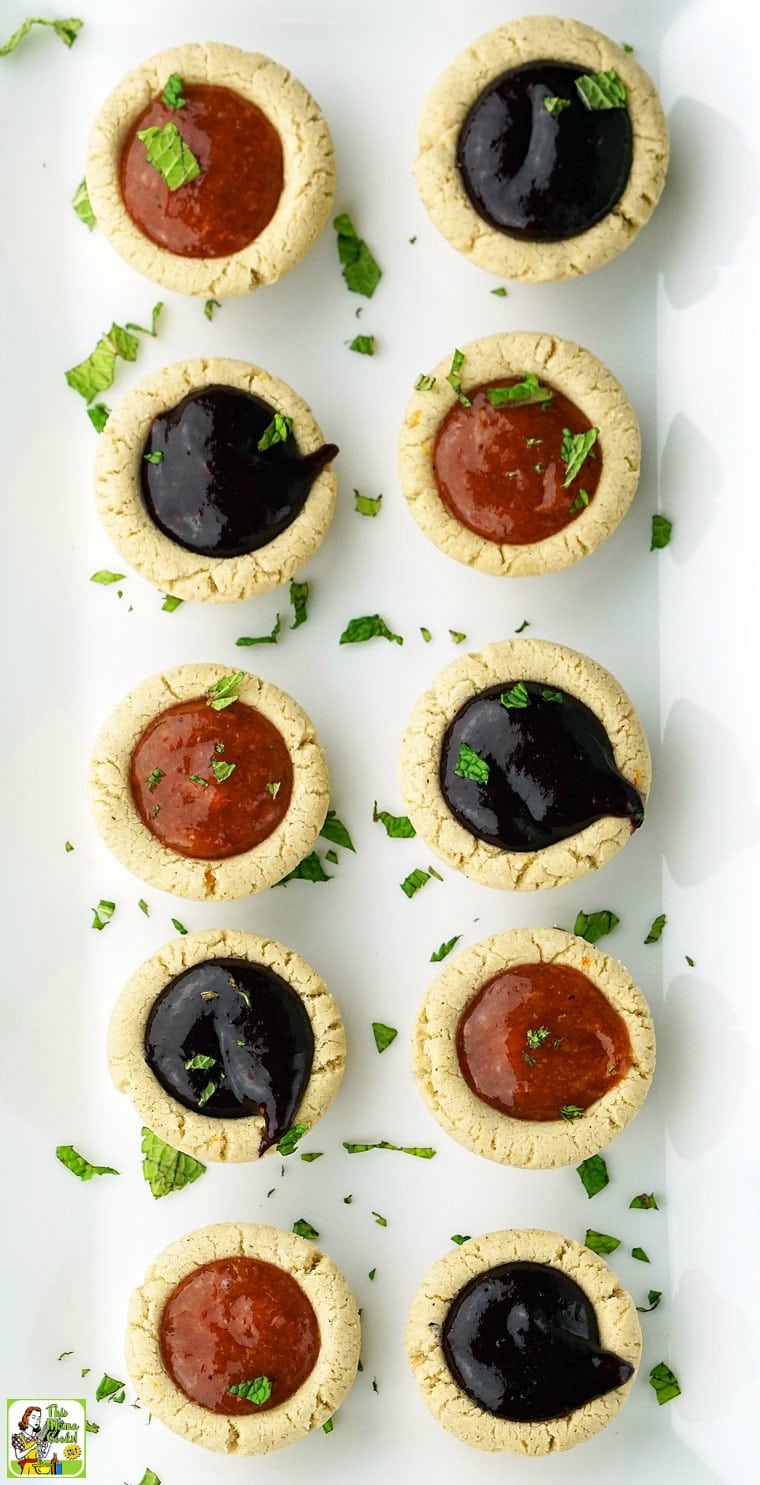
x=314, y=1401
x=195, y=1133
x=534, y=1144
x=619, y=1331
x=206, y=880
x=530, y=660
x=565, y=367
x=309, y=169
x=534, y=39
x=166, y=564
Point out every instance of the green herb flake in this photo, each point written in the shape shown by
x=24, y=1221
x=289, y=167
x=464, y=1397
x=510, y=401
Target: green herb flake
x=525, y=625
x=80, y=1167
x=68, y=847
x=661, y=529
x=102, y=914
x=664, y=1382
x=426, y=635
x=154, y=778
x=328, y=1425
x=422, y=1152
x=528, y=390
x=179, y=927
x=360, y=270
x=288, y=1144
x=257, y=1391
x=371, y=1276
x=106, y=578
x=625, y=46
x=470, y=765
x=548, y=695
x=381, y=1221
x=347, y=1200
x=143, y=906
x=169, y=155
x=200, y=1062
x=593, y=926
x=646, y=1202
x=304, y=1229
x=89, y=1426
x=594, y=1175
x=398, y=827
x=455, y=381
x=150, y=1477
x=278, y=431
x=195, y=778
x=155, y=315
x=516, y=697
x=581, y=500
x=640, y=1254
x=415, y=880
x=600, y=1242
x=99, y=414
x=66, y=30
x=82, y=205
x=308, y=870
x=96, y=373
x=459, y=1238
x=367, y=505
x=570, y=1111
x=444, y=949
x=363, y=344
x=246, y=640
x=689, y=960
x=155, y=458
x=273, y=788
x=536, y=1036
x=210, y=306
x=109, y=1387
x=171, y=604
x=369, y=626
x=332, y=857
x=334, y=830
x=575, y=450
x=500, y=293
x=172, y=94
x=601, y=90
x=655, y=933
x=424, y=383
x=556, y=106
x=457, y=636
x=164, y=1168
x=383, y=1035
x=225, y=691
x=206, y=1094
x=654, y=1296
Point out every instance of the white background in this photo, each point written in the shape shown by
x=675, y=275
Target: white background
x=670, y=318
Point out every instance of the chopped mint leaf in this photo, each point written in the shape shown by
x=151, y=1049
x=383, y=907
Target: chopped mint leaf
x=80, y=1167
x=549, y=695
x=516, y=697
x=370, y=1275
x=654, y=1296
x=535, y=1036
x=67, y=30
x=367, y=505
x=444, y=949
x=155, y=315
x=458, y=636
x=593, y=926
x=655, y=933
x=246, y=640
x=426, y=635
x=647, y=1201
x=169, y=155
x=171, y=603
x=195, y=778
x=661, y=529
x=179, y=927
x=200, y=1062
x=164, y=1168
x=154, y=778
x=470, y=765
x=210, y=306
x=689, y=960
x=308, y=870
x=527, y=391
x=304, y=1229
x=82, y=206
x=96, y=373
x=258, y=1391
x=381, y=1221
x=150, y=1477
x=525, y=625
x=105, y=578
x=640, y=1254
x=225, y=691
x=289, y=1141
x=600, y=1242
x=664, y=1382
x=99, y=414
x=581, y=500
x=109, y=1387
x=360, y=270
x=68, y=847
x=369, y=626
x=273, y=788
x=556, y=106
x=600, y=90
x=625, y=46
x=154, y=458
x=570, y=1111
x=459, y=1238
x=332, y=857
x=594, y=1175
x=422, y=1152
x=278, y=431
x=455, y=381
x=398, y=827
x=172, y=94
x=424, y=383
x=311, y=1155
x=102, y=914
x=575, y=450
x=335, y=831
x=383, y=1035
x=364, y=344
x=501, y=292
x=299, y=598
x=415, y=880
x=207, y=1093
x=435, y=874
x=328, y=1425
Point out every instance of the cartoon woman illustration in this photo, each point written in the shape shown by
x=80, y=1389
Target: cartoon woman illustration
x=31, y=1445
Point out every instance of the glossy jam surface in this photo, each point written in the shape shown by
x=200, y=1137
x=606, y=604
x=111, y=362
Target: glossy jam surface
x=240, y=182
x=538, y=1038
x=551, y=770
x=522, y=1341
x=231, y=1321
x=539, y=176
x=229, y=1038
x=176, y=791
x=499, y=470
x=213, y=490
